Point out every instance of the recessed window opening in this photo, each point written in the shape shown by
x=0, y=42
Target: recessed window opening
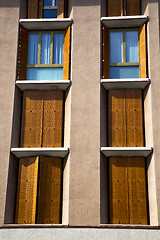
x=50, y=9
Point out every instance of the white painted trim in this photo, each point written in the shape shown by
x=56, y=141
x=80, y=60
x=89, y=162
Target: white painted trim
x=126, y=151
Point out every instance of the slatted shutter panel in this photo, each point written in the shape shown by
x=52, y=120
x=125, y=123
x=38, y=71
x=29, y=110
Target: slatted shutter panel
x=116, y=118
x=66, y=54
x=32, y=8
x=27, y=191
x=137, y=191
x=22, y=54
x=49, y=197
x=52, y=119
x=133, y=7
x=118, y=191
x=32, y=114
x=134, y=118
x=40, y=10
x=114, y=8
x=142, y=40
x=105, y=53
x=60, y=13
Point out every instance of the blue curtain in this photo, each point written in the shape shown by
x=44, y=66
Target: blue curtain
x=45, y=48
x=48, y=3
x=115, y=47
x=132, y=46
x=58, y=48
x=45, y=74
x=33, y=48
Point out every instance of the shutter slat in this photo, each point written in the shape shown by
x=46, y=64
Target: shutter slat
x=52, y=119
x=32, y=8
x=116, y=118
x=66, y=54
x=60, y=13
x=143, y=66
x=105, y=53
x=32, y=116
x=133, y=7
x=134, y=118
x=114, y=8
x=27, y=191
x=40, y=10
x=49, y=197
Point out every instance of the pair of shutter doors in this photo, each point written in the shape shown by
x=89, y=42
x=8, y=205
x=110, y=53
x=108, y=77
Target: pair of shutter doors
x=39, y=191
x=22, y=56
x=35, y=8
x=142, y=52
x=118, y=7
x=42, y=119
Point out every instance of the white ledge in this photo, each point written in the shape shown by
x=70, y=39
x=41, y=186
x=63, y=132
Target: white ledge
x=46, y=23
x=126, y=151
x=44, y=85
x=125, y=83
x=33, y=152
x=124, y=21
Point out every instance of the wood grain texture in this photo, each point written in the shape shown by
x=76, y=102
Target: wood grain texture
x=105, y=53
x=116, y=118
x=60, y=13
x=49, y=197
x=32, y=8
x=27, y=191
x=40, y=9
x=143, y=58
x=66, y=54
x=114, y=8
x=132, y=7
x=22, y=54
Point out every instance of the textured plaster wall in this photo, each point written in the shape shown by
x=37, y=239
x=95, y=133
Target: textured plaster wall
x=9, y=15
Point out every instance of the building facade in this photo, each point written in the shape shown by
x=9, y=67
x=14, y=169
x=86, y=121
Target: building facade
x=79, y=119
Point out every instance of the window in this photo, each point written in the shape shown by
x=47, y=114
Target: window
x=124, y=54
x=50, y=9
x=45, y=56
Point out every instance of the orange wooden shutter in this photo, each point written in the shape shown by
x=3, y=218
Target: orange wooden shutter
x=40, y=10
x=22, y=54
x=60, y=13
x=137, y=191
x=49, y=197
x=105, y=53
x=32, y=8
x=116, y=118
x=132, y=7
x=114, y=8
x=66, y=54
x=142, y=40
x=27, y=191
x=52, y=119
x=31, y=129
x=134, y=118
x=118, y=191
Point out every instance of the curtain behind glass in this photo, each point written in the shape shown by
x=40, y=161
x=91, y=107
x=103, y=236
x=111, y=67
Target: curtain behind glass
x=33, y=48
x=58, y=48
x=45, y=48
x=115, y=47
x=48, y=3
x=132, y=46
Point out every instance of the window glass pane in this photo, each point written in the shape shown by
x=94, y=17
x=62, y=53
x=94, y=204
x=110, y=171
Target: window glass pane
x=48, y=3
x=33, y=48
x=124, y=72
x=45, y=48
x=132, y=46
x=58, y=48
x=44, y=73
x=49, y=13
x=115, y=47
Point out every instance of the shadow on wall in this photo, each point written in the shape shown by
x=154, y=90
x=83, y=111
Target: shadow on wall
x=9, y=3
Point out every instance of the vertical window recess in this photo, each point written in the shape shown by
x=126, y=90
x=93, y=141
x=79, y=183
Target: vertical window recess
x=50, y=9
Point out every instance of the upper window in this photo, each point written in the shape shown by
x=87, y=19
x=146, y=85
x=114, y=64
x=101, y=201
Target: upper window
x=45, y=56
x=124, y=54
x=50, y=9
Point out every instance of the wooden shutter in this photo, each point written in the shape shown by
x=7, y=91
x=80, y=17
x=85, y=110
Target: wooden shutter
x=142, y=40
x=132, y=7
x=49, y=197
x=40, y=10
x=137, y=191
x=134, y=118
x=116, y=118
x=52, y=119
x=27, y=191
x=60, y=13
x=31, y=129
x=114, y=8
x=105, y=53
x=32, y=8
x=66, y=54
x=22, y=54
x=118, y=191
